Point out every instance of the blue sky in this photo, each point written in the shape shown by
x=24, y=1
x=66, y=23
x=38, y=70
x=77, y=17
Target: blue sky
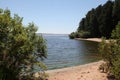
x=51, y=16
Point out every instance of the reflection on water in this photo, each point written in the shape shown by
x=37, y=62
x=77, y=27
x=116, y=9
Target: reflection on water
x=63, y=52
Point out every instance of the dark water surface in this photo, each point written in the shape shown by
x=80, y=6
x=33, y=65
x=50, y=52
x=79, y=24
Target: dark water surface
x=64, y=52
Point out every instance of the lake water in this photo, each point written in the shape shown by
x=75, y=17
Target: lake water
x=64, y=52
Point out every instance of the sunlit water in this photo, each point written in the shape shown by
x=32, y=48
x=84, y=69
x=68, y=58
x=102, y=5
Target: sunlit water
x=64, y=52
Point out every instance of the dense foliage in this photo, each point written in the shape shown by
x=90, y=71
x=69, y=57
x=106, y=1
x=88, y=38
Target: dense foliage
x=110, y=52
x=100, y=22
x=20, y=48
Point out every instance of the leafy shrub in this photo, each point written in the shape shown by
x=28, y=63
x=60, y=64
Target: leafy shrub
x=72, y=35
x=80, y=34
x=20, y=47
x=84, y=34
x=110, y=52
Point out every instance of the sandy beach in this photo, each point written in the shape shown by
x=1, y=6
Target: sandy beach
x=83, y=72
x=88, y=71
x=90, y=39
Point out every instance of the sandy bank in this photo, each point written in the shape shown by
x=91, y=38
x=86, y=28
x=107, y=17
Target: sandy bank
x=90, y=39
x=83, y=72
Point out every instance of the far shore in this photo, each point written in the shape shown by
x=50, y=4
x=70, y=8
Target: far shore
x=90, y=39
x=83, y=72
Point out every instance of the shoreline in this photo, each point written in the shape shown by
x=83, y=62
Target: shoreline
x=82, y=72
x=87, y=71
x=81, y=66
x=90, y=39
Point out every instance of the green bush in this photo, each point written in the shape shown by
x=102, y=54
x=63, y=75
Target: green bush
x=80, y=34
x=110, y=52
x=84, y=34
x=20, y=47
x=72, y=35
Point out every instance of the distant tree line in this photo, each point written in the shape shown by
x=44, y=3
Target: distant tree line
x=99, y=22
